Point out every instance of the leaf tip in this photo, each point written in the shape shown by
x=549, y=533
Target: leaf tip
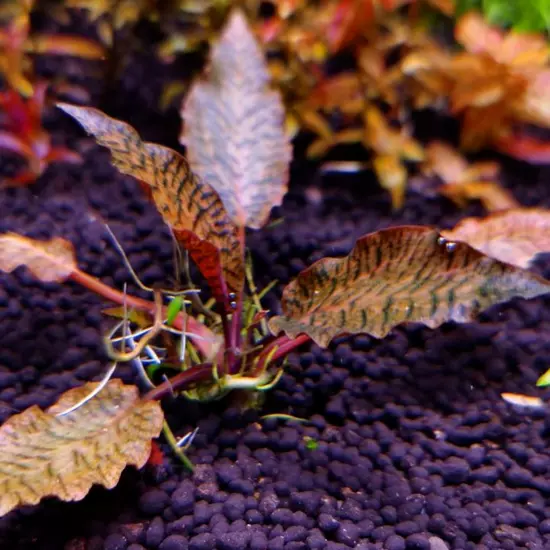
x=544, y=380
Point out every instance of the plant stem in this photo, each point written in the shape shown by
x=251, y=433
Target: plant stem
x=235, y=335
x=205, y=339
x=225, y=355
x=282, y=346
x=170, y=438
x=233, y=339
x=199, y=373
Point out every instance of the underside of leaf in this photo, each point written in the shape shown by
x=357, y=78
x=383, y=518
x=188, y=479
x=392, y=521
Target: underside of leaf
x=408, y=273
x=49, y=261
x=513, y=236
x=234, y=128
x=47, y=455
x=188, y=205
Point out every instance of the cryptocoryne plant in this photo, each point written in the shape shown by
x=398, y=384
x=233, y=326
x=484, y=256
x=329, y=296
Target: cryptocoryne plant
x=237, y=172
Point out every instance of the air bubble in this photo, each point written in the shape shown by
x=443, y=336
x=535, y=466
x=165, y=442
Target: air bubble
x=441, y=241
x=450, y=246
x=232, y=295
x=233, y=305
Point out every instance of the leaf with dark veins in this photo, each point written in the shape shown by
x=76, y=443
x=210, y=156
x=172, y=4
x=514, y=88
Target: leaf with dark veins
x=191, y=207
x=45, y=455
x=408, y=273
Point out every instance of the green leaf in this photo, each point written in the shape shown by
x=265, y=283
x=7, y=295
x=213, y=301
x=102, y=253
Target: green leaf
x=173, y=309
x=544, y=380
x=521, y=15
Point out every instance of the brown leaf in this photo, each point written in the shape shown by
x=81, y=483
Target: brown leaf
x=341, y=92
x=188, y=205
x=515, y=236
x=234, y=128
x=47, y=455
x=49, y=261
x=407, y=273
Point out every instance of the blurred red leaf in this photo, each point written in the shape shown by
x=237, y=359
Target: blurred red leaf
x=24, y=135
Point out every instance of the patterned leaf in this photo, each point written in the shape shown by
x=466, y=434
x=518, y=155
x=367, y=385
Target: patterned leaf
x=47, y=455
x=400, y=274
x=188, y=205
x=48, y=261
x=514, y=236
x=234, y=128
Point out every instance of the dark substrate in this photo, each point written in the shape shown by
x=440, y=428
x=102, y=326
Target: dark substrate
x=416, y=448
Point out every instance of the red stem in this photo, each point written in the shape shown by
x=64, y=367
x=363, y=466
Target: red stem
x=232, y=331
x=283, y=346
x=198, y=373
x=205, y=339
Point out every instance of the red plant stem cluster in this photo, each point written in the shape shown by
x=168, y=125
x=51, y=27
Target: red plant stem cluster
x=228, y=360
x=202, y=337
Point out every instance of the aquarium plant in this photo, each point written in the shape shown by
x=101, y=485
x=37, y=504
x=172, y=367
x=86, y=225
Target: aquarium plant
x=236, y=173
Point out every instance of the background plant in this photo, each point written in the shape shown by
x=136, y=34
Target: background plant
x=25, y=96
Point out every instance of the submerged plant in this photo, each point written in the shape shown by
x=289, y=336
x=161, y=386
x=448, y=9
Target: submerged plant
x=207, y=349
x=22, y=133
x=23, y=99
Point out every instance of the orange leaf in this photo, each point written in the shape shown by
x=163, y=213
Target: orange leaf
x=533, y=106
x=316, y=123
x=392, y=176
x=387, y=140
x=491, y=195
x=477, y=36
x=189, y=206
x=13, y=63
x=450, y=166
x=515, y=236
x=463, y=181
x=60, y=44
x=234, y=128
x=396, y=275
